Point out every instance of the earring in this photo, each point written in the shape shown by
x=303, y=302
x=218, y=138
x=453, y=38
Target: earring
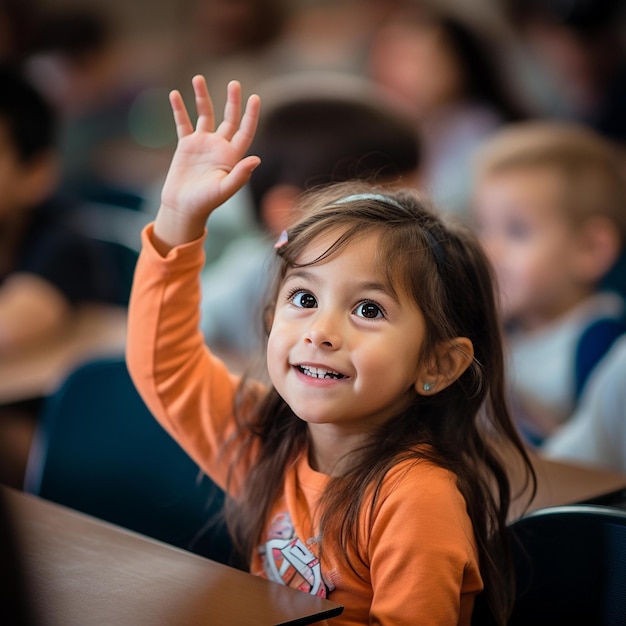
x=427, y=386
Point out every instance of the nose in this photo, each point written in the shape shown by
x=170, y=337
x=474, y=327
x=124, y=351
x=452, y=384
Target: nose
x=324, y=331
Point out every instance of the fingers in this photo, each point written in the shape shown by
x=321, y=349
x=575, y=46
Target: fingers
x=232, y=111
x=236, y=129
x=204, y=105
x=243, y=137
x=181, y=117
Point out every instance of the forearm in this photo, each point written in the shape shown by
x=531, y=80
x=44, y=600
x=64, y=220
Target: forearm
x=187, y=389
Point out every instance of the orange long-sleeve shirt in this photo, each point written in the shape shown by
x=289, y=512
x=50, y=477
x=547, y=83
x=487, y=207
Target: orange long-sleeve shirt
x=422, y=565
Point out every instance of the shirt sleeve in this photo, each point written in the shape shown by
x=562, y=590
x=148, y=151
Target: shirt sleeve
x=188, y=390
x=423, y=560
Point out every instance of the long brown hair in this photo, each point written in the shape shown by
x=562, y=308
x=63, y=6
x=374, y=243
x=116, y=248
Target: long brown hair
x=462, y=428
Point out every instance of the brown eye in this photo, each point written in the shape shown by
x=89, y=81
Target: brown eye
x=304, y=300
x=369, y=310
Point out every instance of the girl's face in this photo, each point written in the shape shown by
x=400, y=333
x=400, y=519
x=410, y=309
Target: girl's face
x=344, y=349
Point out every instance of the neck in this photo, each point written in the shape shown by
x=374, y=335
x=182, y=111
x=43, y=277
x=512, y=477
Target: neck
x=329, y=448
x=548, y=316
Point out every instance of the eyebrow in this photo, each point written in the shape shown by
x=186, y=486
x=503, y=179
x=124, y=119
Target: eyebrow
x=373, y=285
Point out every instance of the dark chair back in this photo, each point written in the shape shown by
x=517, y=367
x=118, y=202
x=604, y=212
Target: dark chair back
x=99, y=450
x=570, y=566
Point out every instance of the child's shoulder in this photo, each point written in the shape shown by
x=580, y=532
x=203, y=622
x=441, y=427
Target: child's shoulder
x=417, y=494
x=419, y=480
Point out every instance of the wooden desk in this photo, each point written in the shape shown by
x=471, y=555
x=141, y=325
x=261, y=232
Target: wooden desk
x=86, y=572
x=96, y=331
x=564, y=483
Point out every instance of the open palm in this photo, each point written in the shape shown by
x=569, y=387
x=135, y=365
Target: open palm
x=209, y=164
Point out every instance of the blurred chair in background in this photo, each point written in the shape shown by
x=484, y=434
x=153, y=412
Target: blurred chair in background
x=570, y=566
x=99, y=450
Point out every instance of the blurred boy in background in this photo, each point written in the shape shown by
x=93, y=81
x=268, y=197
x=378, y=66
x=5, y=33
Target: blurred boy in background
x=46, y=268
x=550, y=208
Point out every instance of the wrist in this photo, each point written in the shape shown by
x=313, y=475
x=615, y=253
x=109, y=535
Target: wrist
x=171, y=229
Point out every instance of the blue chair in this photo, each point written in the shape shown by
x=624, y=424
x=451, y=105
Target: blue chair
x=99, y=450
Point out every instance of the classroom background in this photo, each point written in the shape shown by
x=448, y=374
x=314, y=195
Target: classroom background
x=460, y=74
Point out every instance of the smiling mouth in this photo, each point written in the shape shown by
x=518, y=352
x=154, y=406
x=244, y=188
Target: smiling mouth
x=318, y=372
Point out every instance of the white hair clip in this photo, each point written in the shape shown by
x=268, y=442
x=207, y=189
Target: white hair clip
x=282, y=240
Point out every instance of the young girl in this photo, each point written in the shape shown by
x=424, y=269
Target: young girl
x=366, y=471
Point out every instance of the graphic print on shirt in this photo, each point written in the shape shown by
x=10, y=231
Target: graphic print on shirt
x=287, y=560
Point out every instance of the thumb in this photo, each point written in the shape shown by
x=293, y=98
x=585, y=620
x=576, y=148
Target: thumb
x=239, y=175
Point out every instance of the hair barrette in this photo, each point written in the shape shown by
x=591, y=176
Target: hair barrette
x=282, y=240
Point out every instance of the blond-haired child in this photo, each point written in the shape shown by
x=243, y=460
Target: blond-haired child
x=549, y=204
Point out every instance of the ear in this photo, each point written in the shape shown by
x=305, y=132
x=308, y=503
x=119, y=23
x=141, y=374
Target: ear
x=447, y=364
x=277, y=207
x=597, y=249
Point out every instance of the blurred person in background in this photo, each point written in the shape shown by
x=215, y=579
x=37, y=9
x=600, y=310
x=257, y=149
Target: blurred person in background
x=256, y=40
x=80, y=61
x=17, y=25
x=447, y=74
x=575, y=60
x=596, y=432
x=549, y=205
x=232, y=38
x=48, y=268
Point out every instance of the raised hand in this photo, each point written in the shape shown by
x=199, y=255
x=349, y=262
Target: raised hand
x=209, y=165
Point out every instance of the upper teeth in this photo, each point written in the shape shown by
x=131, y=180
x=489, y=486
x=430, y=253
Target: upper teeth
x=318, y=372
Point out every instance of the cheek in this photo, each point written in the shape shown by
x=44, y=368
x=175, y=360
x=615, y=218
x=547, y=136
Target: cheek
x=272, y=366
x=271, y=350
x=277, y=352
x=393, y=359
x=523, y=258
x=538, y=261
